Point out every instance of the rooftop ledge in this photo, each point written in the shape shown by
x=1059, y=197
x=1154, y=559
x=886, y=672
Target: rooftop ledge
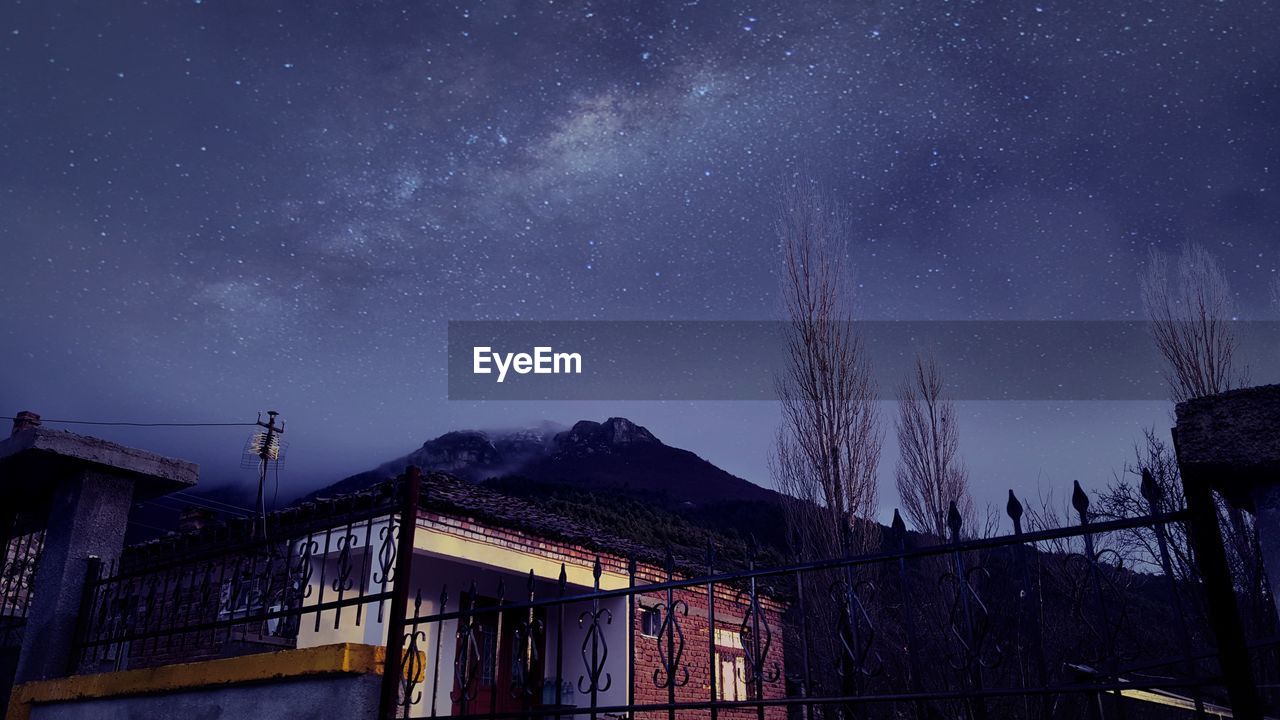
x=1232, y=440
x=31, y=458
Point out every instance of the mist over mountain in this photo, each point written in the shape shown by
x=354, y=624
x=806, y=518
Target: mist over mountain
x=614, y=474
x=616, y=456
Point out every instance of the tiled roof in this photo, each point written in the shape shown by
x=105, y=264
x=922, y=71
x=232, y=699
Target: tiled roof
x=441, y=493
x=450, y=496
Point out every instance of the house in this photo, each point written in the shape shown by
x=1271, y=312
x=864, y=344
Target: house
x=212, y=592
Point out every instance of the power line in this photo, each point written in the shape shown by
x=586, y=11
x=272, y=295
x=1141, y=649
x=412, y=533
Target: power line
x=176, y=509
x=142, y=424
x=201, y=499
x=153, y=527
x=184, y=503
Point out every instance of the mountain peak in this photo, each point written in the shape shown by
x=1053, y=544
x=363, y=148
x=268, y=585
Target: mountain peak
x=615, y=456
x=588, y=434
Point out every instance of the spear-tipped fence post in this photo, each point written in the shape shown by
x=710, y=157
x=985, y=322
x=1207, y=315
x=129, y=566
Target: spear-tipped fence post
x=1029, y=604
x=435, y=675
x=712, y=662
x=898, y=531
x=497, y=640
x=631, y=634
x=561, y=582
x=1152, y=493
x=955, y=523
x=1080, y=501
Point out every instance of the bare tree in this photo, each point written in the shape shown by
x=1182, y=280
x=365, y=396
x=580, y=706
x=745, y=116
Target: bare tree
x=1190, y=311
x=828, y=446
x=930, y=473
x=1124, y=498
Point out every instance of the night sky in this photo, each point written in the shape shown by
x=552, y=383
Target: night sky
x=213, y=208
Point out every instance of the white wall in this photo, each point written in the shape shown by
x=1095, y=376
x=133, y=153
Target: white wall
x=431, y=572
x=615, y=638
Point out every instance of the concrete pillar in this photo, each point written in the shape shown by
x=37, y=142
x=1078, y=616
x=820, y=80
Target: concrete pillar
x=1231, y=442
x=87, y=518
x=88, y=486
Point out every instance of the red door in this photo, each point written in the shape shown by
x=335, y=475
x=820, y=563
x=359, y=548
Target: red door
x=488, y=651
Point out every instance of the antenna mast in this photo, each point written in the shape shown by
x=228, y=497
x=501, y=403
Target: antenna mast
x=265, y=446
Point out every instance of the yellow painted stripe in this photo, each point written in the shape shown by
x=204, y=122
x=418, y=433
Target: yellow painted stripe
x=339, y=659
x=1170, y=700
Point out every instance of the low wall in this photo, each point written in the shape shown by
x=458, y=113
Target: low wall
x=331, y=681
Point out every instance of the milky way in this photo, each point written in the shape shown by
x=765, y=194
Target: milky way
x=208, y=208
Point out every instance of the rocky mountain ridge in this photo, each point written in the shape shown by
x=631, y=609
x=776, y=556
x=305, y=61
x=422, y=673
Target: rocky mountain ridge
x=616, y=455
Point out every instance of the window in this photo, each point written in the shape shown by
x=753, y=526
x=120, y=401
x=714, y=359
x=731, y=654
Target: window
x=488, y=655
x=650, y=622
x=731, y=666
x=731, y=681
x=728, y=639
x=248, y=597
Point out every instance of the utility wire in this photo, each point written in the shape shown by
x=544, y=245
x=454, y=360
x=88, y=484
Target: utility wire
x=152, y=527
x=201, y=499
x=187, y=501
x=156, y=502
x=142, y=424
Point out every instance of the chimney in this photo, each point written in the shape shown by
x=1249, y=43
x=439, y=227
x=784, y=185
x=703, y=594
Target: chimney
x=24, y=421
x=193, y=519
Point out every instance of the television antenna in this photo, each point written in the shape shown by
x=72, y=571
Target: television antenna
x=263, y=448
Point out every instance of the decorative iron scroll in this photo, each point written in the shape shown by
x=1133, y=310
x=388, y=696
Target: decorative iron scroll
x=755, y=634
x=670, y=638
x=412, y=666
x=595, y=649
x=525, y=653
x=466, y=669
x=969, y=621
x=386, y=553
x=435, y=677
x=1098, y=603
x=343, y=582
x=856, y=631
x=972, y=645
x=185, y=596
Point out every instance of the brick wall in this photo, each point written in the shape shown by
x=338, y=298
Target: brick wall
x=696, y=626
x=697, y=656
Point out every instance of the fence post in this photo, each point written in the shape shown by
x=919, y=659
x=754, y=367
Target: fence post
x=394, y=665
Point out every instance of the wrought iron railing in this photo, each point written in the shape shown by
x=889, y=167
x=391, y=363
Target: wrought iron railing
x=1042, y=622
x=1051, y=622
x=324, y=568
x=23, y=543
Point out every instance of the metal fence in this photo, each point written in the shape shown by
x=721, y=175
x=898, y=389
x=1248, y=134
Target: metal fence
x=244, y=587
x=1093, y=618
x=1068, y=621
x=22, y=542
